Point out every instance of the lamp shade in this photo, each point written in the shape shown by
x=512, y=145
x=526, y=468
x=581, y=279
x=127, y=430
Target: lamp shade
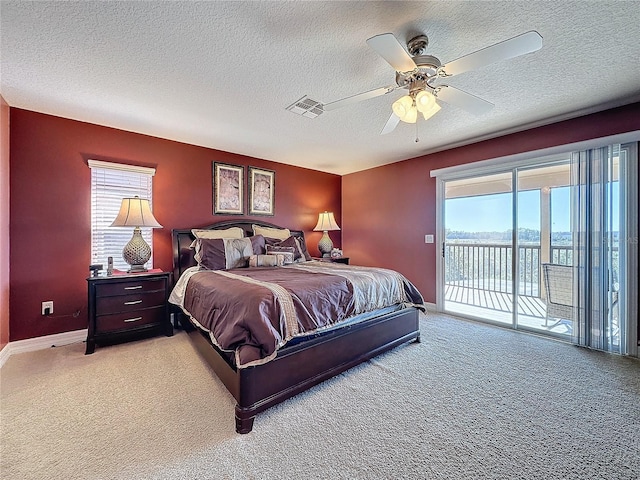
x=405, y=109
x=135, y=212
x=402, y=107
x=326, y=222
x=427, y=114
x=425, y=101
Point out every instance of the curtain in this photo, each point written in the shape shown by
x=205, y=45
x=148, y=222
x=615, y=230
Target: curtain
x=597, y=249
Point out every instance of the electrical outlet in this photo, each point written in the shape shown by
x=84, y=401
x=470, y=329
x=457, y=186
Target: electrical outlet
x=428, y=239
x=47, y=308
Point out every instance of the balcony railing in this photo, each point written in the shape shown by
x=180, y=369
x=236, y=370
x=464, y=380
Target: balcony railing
x=562, y=255
x=487, y=266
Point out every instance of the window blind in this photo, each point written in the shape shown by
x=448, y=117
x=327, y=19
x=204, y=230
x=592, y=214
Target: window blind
x=110, y=183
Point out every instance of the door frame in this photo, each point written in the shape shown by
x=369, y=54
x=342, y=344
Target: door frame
x=530, y=159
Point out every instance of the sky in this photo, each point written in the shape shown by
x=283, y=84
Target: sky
x=492, y=213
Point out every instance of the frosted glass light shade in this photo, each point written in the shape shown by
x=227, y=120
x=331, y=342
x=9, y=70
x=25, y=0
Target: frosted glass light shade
x=411, y=116
x=402, y=106
x=431, y=112
x=425, y=101
x=405, y=109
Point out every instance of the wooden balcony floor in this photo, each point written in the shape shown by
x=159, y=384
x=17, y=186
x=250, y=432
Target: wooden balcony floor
x=498, y=307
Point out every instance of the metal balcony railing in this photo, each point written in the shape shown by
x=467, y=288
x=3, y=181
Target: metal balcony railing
x=487, y=266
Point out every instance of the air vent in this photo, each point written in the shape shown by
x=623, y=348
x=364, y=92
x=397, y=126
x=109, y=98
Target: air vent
x=306, y=107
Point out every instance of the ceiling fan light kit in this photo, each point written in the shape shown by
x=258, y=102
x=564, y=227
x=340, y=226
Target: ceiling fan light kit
x=427, y=114
x=407, y=108
x=425, y=101
x=421, y=74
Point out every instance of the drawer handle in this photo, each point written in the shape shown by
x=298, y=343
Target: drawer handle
x=133, y=288
x=133, y=303
x=133, y=319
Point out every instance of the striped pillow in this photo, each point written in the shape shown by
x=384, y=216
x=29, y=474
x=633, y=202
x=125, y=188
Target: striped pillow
x=288, y=252
x=266, y=260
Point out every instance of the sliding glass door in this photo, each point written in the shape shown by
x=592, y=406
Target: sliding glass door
x=544, y=248
x=477, y=247
x=540, y=246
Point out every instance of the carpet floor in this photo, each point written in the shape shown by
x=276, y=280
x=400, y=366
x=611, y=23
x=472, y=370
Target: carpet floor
x=470, y=401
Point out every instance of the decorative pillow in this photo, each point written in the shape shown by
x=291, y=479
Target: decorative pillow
x=258, y=244
x=233, y=232
x=303, y=249
x=288, y=252
x=279, y=233
x=223, y=253
x=300, y=254
x=290, y=242
x=266, y=260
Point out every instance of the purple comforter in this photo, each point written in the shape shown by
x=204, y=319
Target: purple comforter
x=255, y=311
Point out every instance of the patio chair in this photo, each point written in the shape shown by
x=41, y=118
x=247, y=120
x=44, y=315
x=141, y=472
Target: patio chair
x=558, y=282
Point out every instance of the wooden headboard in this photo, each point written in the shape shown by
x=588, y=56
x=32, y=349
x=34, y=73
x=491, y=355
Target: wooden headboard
x=181, y=240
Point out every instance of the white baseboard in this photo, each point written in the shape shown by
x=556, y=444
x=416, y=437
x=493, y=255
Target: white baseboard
x=4, y=354
x=40, y=343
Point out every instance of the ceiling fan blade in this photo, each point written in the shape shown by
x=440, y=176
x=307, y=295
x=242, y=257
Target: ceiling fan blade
x=390, y=49
x=391, y=124
x=466, y=101
x=359, y=97
x=514, y=47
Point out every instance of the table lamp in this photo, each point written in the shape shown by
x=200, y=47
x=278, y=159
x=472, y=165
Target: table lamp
x=326, y=222
x=136, y=212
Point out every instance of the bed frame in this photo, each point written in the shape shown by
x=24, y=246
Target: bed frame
x=298, y=367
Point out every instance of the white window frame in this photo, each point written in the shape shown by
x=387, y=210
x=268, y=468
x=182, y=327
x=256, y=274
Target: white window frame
x=110, y=182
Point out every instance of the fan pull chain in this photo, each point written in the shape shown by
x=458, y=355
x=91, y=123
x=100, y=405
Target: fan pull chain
x=417, y=139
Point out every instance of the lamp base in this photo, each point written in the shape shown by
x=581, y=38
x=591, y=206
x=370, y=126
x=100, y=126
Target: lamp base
x=325, y=245
x=137, y=252
x=137, y=269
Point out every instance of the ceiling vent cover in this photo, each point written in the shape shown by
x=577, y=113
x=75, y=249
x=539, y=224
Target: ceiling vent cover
x=306, y=107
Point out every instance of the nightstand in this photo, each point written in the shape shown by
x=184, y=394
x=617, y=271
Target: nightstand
x=344, y=260
x=122, y=307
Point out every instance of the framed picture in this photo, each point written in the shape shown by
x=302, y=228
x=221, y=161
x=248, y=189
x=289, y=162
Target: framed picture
x=261, y=191
x=228, y=189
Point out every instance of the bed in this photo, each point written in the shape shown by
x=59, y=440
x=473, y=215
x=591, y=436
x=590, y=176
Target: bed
x=300, y=360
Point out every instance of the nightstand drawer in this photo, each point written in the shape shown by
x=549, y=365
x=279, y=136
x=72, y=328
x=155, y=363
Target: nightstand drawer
x=129, y=320
x=129, y=303
x=127, y=288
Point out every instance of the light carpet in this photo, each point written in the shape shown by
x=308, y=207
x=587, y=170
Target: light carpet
x=470, y=401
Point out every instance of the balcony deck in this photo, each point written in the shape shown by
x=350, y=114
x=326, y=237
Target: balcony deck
x=498, y=307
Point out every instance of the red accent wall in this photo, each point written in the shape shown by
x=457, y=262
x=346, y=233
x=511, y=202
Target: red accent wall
x=4, y=223
x=387, y=211
x=50, y=207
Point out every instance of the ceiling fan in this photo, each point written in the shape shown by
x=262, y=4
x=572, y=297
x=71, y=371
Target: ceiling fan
x=422, y=74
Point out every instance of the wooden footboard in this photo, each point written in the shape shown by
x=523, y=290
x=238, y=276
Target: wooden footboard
x=301, y=366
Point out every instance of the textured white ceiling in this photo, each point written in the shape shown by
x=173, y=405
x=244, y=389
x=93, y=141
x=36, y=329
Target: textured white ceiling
x=220, y=74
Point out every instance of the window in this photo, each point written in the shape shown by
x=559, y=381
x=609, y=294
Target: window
x=110, y=183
